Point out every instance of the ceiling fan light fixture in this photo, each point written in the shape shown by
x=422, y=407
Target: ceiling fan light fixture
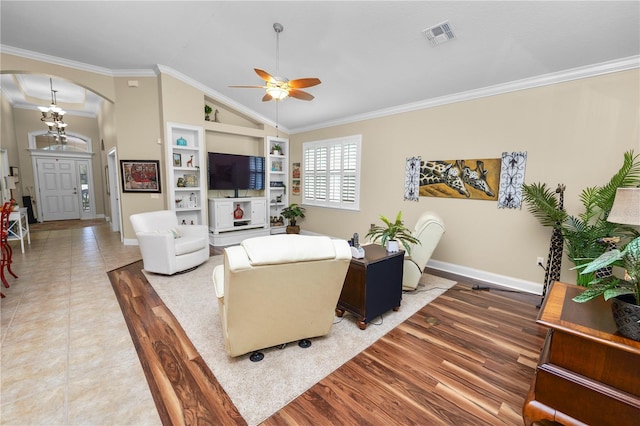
x=279, y=88
x=277, y=93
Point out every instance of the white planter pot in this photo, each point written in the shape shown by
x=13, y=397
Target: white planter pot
x=393, y=246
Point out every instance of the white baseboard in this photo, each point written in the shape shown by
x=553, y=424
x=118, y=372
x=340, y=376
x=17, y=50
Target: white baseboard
x=489, y=277
x=130, y=241
x=477, y=274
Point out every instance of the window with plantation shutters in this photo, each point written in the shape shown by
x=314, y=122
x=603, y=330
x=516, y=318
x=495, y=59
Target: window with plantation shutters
x=331, y=172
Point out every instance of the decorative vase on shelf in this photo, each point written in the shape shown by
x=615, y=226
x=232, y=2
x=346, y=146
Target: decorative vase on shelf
x=238, y=213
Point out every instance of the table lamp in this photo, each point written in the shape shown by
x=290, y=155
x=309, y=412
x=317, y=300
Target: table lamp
x=626, y=207
x=11, y=183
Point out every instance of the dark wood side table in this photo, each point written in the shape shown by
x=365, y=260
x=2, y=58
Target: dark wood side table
x=587, y=373
x=373, y=285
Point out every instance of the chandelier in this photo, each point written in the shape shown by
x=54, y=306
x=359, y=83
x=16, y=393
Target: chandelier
x=53, y=116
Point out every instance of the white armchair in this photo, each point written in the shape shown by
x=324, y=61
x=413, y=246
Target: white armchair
x=428, y=230
x=168, y=247
x=279, y=289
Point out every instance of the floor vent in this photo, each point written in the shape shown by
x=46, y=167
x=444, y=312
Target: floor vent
x=439, y=34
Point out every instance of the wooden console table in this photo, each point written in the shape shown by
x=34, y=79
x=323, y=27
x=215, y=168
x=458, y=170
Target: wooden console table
x=587, y=373
x=373, y=285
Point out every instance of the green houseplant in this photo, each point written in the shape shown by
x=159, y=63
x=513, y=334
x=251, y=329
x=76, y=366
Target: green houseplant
x=612, y=286
x=392, y=232
x=625, y=292
x=207, y=111
x=292, y=213
x=583, y=234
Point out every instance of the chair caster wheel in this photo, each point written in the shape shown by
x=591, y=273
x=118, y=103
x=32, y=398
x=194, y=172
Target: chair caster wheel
x=304, y=343
x=256, y=356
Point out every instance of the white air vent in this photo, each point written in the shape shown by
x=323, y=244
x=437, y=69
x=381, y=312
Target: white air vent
x=439, y=34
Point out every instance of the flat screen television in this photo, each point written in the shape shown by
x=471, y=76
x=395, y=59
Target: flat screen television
x=236, y=172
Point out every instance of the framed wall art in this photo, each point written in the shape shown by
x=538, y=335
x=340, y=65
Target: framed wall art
x=177, y=160
x=140, y=175
x=476, y=179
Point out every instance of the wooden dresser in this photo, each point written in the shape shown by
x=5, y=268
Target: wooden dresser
x=587, y=373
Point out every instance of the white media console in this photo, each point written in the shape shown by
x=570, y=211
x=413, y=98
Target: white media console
x=232, y=220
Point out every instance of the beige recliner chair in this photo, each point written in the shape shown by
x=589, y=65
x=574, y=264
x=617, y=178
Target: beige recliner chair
x=278, y=289
x=167, y=247
x=428, y=231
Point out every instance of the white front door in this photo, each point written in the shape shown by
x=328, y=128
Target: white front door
x=59, y=198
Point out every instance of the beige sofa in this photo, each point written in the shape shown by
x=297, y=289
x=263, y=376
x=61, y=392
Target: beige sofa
x=428, y=230
x=279, y=289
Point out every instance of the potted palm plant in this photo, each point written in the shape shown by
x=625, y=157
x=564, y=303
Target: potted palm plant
x=583, y=234
x=292, y=213
x=393, y=233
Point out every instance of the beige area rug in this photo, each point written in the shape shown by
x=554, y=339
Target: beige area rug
x=259, y=389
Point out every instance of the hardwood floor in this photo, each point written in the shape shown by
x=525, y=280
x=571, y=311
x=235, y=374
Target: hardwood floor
x=466, y=358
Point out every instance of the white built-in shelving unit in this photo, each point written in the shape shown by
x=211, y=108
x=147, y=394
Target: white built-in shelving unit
x=187, y=173
x=277, y=172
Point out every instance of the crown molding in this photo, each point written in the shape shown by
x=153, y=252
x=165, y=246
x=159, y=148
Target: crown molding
x=617, y=65
x=36, y=56
x=81, y=66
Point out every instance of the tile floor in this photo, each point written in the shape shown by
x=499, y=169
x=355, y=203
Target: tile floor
x=67, y=356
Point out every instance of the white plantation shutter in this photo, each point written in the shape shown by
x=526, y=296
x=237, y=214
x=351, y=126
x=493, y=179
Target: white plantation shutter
x=331, y=173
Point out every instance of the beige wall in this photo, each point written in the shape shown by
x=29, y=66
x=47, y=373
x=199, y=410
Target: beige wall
x=107, y=131
x=139, y=137
x=8, y=140
x=574, y=133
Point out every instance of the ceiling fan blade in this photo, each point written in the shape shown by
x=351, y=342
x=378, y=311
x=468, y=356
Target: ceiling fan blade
x=251, y=87
x=264, y=75
x=266, y=97
x=299, y=94
x=300, y=83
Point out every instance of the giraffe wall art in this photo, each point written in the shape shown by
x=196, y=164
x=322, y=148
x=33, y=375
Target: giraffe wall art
x=469, y=179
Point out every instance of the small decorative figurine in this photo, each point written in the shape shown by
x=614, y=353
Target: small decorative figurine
x=190, y=162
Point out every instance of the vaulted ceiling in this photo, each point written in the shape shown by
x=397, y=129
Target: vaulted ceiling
x=370, y=56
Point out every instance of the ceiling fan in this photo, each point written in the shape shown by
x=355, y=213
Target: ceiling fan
x=278, y=88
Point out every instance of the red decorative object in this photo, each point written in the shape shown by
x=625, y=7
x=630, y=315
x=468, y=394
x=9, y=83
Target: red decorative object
x=4, y=243
x=238, y=213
